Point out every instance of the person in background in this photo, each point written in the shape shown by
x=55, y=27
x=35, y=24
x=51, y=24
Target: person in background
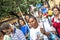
x=45, y=21
x=15, y=24
x=40, y=16
x=27, y=17
x=24, y=27
x=56, y=20
x=3, y=35
x=14, y=33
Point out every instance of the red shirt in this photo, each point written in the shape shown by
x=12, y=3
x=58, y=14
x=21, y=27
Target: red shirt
x=56, y=25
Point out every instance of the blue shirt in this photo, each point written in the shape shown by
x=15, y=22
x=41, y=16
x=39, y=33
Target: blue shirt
x=24, y=29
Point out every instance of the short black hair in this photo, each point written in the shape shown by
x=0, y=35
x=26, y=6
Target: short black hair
x=5, y=26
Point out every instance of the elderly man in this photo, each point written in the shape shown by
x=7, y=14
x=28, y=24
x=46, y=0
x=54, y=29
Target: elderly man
x=14, y=33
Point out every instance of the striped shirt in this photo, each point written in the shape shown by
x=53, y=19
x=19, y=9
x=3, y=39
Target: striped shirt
x=17, y=35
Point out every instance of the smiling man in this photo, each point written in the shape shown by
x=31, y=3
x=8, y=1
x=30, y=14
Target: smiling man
x=14, y=33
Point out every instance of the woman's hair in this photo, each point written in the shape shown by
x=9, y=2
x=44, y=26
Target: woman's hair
x=56, y=8
x=22, y=20
x=33, y=18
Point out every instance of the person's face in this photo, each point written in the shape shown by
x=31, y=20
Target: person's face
x=27, y=17
x=32, y=22
x=8, y=31
x=40, y=14
x=21, y=22
x=56, y=12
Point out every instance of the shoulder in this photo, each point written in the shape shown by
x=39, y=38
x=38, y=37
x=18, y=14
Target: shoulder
x=18, y=31
x=6, y=37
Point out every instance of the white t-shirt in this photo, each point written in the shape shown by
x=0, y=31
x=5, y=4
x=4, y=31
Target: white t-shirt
x=36, y=14
x=7, y=37
x=34, y=33
x=46, y=24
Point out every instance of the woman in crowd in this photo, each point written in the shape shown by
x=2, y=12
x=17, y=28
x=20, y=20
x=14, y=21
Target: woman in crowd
x=46, y=25
x=56, y=20
x=24, y=27
x=27, y=17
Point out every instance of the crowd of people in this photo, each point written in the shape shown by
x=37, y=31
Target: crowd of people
x=43, y=24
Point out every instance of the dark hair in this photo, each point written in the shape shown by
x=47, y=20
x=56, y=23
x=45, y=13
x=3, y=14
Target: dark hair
x=28, y=15
x=5, y=26
x=22, y=20
x=56, y=8
x=33, y=18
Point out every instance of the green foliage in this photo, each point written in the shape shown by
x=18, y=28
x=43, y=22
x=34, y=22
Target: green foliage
x=15, y=5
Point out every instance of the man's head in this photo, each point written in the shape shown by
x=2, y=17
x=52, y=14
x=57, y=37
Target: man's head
x=6, y=28
x=33, y=22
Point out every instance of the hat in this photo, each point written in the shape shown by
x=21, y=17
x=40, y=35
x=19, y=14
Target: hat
x=38, y=5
